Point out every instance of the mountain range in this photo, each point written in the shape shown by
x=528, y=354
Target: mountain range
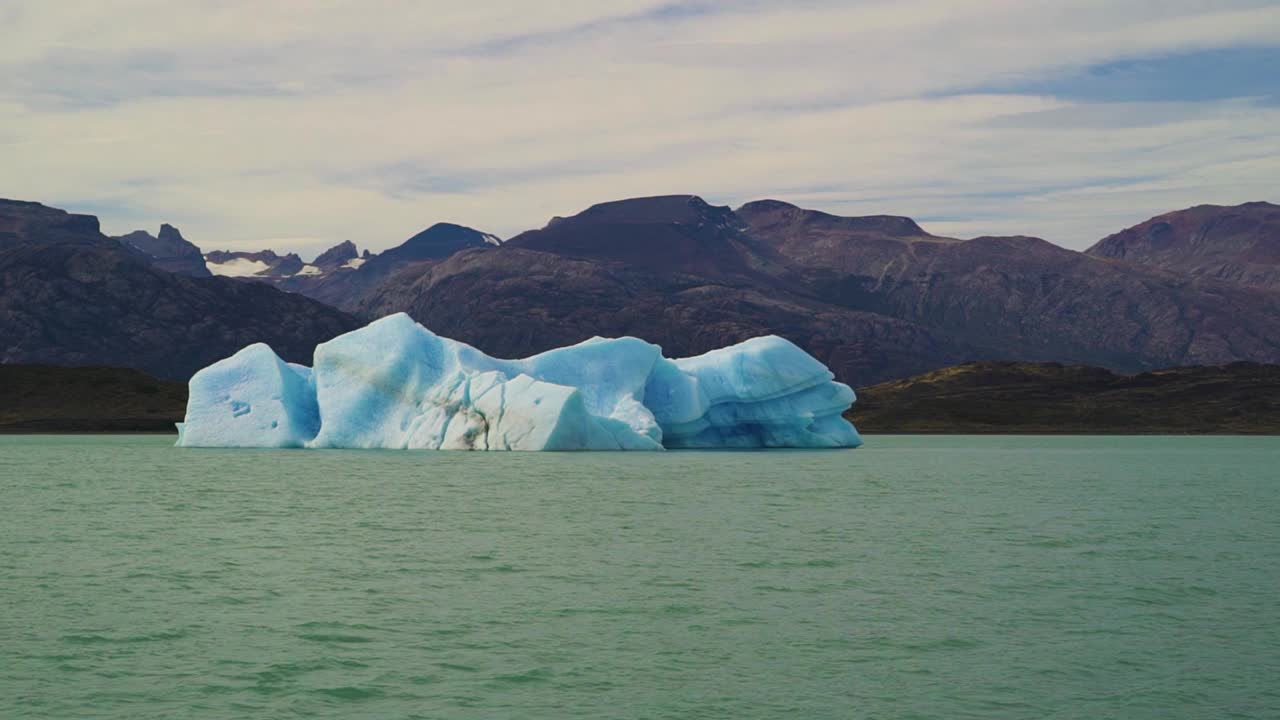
x=875, y=297
x=71, y=296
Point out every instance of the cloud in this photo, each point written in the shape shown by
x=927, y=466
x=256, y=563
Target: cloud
x=310, y=124
x=1198, y=75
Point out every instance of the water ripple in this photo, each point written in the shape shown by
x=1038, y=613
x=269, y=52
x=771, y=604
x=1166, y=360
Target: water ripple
x=917, y=577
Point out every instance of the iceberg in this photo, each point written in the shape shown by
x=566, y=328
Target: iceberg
x=394, y=384
x=251, y=399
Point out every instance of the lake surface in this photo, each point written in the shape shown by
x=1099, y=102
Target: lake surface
x=918, y=577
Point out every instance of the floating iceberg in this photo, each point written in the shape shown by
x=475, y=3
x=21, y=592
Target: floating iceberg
x=395, y=384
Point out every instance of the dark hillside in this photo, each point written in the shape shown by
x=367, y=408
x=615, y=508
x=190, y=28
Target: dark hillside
x=1008, y=397
x=44, y=398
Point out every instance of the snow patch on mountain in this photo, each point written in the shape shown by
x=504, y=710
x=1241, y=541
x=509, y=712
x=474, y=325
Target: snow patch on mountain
x=237, y=267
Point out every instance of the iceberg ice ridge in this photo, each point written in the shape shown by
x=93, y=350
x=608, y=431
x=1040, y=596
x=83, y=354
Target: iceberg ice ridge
x=395, y=384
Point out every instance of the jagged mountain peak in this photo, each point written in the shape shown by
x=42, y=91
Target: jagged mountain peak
x=167, y=250
x=341, y=274
x=337, y=255
x=169, y=233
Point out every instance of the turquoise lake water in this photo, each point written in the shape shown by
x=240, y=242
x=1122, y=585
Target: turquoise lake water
x=918, y=577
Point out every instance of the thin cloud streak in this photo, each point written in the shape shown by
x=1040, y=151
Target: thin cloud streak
x=238, y=121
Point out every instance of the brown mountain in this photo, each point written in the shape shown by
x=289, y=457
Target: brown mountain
x=1021, y=297
x=672, y=269
x=71, y=296
x=668, y=234
x=1239, y=244
x=873, y=297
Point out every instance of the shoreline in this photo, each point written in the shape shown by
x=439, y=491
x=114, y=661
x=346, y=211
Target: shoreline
x=977, y=399
x=1005, y=432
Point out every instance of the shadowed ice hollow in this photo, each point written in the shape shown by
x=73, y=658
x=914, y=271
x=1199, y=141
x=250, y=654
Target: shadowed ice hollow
x=395, y=384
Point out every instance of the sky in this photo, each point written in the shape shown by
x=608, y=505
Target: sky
x=296, y=125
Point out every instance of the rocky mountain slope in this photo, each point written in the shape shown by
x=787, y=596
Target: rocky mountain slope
x=1009, y=397
x=24, y=222
x=339, y=276
x=1024, y=298
x=343, y=255
x=347, y=287
x=1239, y=244
x=71, y=296
x=168, y=251
x=874, y=298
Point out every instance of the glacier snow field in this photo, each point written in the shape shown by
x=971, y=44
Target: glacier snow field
x=916, y=577
x=394, y=384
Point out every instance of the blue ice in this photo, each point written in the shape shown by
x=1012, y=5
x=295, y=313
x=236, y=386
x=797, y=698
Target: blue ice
x=395, y=384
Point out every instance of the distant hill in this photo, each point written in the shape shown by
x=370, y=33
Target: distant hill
x=41, y=398
x=71, y=296
x=1008, y=397
x=1239, y=244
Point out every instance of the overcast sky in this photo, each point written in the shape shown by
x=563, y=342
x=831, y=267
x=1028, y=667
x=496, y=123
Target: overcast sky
x=295, y=125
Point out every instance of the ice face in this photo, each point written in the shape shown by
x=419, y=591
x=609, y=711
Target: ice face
x=251, y=399
x=395, y=384
x=764, y=392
